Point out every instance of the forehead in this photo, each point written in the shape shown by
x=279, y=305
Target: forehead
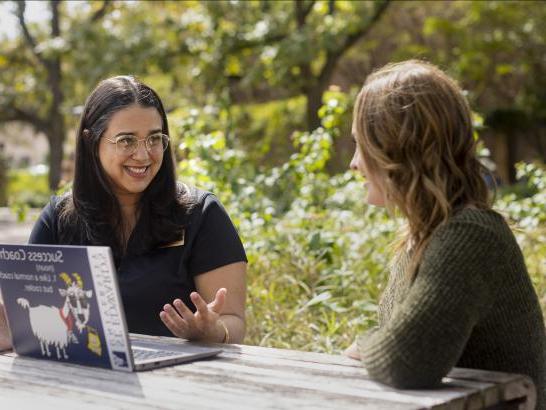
x=134, y=119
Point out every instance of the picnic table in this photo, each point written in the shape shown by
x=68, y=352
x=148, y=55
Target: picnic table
x=247, y=377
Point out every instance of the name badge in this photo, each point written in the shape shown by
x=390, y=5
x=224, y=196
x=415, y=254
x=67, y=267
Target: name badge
x=176, y=243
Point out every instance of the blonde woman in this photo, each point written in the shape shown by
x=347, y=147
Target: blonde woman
x=459, y=293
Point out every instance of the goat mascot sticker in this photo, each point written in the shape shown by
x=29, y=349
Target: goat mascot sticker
x=53, y=325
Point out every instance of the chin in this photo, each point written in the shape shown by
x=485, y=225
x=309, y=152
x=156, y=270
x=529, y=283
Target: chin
x=375, y=201
x=135, y=188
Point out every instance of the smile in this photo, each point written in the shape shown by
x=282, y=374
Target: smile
x=137, y=172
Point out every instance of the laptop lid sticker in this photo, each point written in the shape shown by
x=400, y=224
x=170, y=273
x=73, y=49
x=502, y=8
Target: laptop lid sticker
x=51, y=302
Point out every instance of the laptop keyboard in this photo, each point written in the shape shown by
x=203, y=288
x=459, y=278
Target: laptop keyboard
x=141, y=353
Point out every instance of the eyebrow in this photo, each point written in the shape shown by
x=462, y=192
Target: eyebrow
x=134, y=133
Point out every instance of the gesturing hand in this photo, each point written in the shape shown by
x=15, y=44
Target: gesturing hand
x=202, y=325
x=352, y=351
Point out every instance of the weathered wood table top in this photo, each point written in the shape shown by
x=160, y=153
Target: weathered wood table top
x=247, y=377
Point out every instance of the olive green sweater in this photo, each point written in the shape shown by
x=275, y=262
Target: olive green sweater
x=471, y=304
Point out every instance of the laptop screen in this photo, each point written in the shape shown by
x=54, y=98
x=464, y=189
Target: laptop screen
x=62, y=304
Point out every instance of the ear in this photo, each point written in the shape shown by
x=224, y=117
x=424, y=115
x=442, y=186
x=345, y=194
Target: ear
x=62, y=292
x=88, y=293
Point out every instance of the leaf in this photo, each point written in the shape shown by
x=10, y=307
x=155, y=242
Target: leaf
x=320, y=298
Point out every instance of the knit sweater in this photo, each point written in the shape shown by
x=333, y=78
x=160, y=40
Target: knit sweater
x=471, y=304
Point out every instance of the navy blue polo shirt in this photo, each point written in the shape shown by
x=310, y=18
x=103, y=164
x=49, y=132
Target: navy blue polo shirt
x=148, y=281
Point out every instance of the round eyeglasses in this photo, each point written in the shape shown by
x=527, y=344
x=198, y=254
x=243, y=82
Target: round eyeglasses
x=128, y=144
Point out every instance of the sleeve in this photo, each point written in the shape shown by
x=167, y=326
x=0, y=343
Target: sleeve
x=429, y=329
x=217, y=242
x=44, y=231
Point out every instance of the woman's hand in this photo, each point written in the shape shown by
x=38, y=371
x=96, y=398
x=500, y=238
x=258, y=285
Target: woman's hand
x=5, y=339
x=352, y=351
x=203, y=325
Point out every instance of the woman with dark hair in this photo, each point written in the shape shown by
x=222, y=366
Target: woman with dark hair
x=459, y=293
x=181, y=265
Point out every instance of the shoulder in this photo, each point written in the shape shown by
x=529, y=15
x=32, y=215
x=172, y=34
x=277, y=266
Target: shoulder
x=52, y=208
x=471, y=243
x=196, y=201
x=45, y=229
x=211, y=235
x=56, y=206
x=481, y=227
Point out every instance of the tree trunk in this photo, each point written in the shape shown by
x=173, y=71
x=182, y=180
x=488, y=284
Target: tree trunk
x=314, y=102
x=56, y=150
x=56, y=135
x=505, y=153
x=511, y=171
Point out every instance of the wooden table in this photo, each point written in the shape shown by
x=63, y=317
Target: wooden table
x=247, y=377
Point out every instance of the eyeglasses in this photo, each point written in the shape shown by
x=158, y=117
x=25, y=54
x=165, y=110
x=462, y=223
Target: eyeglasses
x=128, y=144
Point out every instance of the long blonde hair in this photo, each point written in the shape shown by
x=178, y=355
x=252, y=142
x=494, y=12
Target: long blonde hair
x=414, y=129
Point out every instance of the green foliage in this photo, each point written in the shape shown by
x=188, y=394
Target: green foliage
x=527, y=215
x=315, y=266
x=27, y=189
x=318, y=256
x=263, y=41
x=493, y=47
x=262, y=128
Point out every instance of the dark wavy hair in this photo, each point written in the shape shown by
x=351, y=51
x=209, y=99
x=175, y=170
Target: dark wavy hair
x=90, y=214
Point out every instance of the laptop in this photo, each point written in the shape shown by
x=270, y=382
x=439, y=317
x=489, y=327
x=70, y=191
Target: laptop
x=63, y=304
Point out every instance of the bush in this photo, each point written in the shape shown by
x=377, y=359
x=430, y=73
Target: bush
x=318, y=256
x=527, y=215
x=27, y=188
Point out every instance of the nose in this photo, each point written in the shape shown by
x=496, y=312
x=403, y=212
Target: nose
x=352, y=164
x=141, y=152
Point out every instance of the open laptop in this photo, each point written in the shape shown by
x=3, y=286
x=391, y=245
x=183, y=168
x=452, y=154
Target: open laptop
x=63, y=304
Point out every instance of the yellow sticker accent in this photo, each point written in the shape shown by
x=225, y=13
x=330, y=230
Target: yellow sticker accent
x=93, y=341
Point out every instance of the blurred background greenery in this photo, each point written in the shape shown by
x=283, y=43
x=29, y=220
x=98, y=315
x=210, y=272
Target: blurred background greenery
x=259, y=95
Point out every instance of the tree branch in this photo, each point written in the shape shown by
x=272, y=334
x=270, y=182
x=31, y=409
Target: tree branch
x=273, y=38
x=20, y=13
x=302, y=10
x=55, y=29
x=309, y=7
x=101, y=12
x=331, y=7
x=333, y=56
x=54, y=64
x=18, y=114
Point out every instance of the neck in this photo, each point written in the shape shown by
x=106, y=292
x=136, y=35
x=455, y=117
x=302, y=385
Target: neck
x=128, y=205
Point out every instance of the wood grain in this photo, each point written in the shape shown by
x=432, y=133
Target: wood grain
x=245, y=377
